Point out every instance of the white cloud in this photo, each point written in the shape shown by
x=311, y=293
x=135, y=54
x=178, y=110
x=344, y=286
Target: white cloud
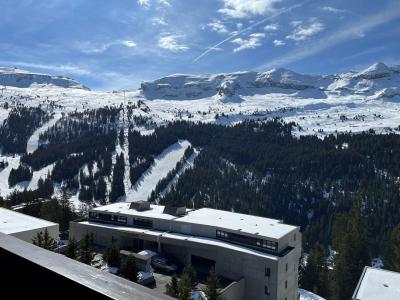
x=334, y=10
x=171, y=42
x=301, y=32
x=252, y=42
x=144, y=3
x=247, y=8
x=271, y=27
x=248, y=28
x=348, y=31
x=148, y=3
x=217, y=26
x=59, y=69
x=94, y=48
x=159, y=21
x=279, y=43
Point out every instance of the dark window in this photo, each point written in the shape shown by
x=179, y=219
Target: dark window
x=266, y=290
x=247, y=240
x=285, y=284
x=143, y=223
x=105, y=217
x=267, y=272
x=119, y=219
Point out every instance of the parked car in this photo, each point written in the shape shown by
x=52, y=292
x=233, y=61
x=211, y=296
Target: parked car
x=161, y=263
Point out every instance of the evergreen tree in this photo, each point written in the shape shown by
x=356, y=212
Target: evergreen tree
x=184, y=287
x=172, y=288
x=112, y=255
x=392, y=255
x=86, y=251
x=44, y=240
x=212, y=286
x=314, y=275
x=129, y=268
x=191, y=274
x=352, y=256
x=72, y=249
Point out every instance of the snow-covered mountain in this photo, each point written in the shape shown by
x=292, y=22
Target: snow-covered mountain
x=378, y=80
x=319, y=104
x=24, y=79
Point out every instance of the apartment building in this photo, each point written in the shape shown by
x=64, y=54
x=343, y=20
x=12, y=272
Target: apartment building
x=259, y=253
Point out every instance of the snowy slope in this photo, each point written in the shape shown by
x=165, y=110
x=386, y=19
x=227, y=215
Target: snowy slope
x=163, y=163
x=33, y=142
x=321, y=105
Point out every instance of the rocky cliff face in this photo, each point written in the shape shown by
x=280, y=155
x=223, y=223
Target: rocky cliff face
x=24, y=79
x=379, y=80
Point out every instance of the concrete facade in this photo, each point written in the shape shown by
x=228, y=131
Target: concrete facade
x=262, y=273
x=25, y=227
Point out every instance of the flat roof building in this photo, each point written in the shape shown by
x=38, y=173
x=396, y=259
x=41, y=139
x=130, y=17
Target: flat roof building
x=25, y=227
x=263, y=254
x=377, y=284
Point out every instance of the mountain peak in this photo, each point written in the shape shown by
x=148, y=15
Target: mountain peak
x=24, y=79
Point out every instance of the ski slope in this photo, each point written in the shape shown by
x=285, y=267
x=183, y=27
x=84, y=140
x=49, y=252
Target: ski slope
x=306, y=295
x=163, y=163
x=33, y=142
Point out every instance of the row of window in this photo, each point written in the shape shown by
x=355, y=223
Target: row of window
x=108, y=217
x=140, y=222
x=247, y=240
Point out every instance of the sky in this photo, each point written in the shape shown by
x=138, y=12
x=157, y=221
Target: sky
x=117, y=44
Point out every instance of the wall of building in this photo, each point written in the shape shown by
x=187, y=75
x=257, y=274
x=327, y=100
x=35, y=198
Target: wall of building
x=234, y=291
x=229, y=263
x=29, y=235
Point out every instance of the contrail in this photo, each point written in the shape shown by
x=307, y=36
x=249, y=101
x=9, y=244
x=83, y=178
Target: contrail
x=282, y=11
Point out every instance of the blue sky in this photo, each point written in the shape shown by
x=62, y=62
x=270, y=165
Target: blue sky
x=114, y=44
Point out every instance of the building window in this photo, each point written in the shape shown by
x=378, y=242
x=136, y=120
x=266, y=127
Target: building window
x=222, y=234
x=121, y=219
x=143, y=223
x=267, y=272
x=287, y=267
x=285, y=284
x=266, y=290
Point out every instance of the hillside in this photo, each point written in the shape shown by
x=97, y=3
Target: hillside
x=289, y=151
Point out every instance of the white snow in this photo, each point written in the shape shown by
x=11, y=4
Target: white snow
x=378, y=284
x=306, y=295
x=33, y=142
x=13, y=222
x=163, y=163
x=188, y=164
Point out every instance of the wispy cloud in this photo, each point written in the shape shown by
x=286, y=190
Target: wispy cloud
x=93, y=48
x=348, y=31
x=248, y=28
x=59, y=69
x=247, y=8
x=302, y=32
x=149, y=3
x=252, y=42
x=217, y=26
x=279, y=43
x=171, y=42
x=271, y=27
x=334, y=10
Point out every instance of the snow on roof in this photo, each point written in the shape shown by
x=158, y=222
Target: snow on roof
x=182, y=237
x=155, y=211
x=14, y=222
x=239, y=222
x=270, y=228
x=377, y=284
